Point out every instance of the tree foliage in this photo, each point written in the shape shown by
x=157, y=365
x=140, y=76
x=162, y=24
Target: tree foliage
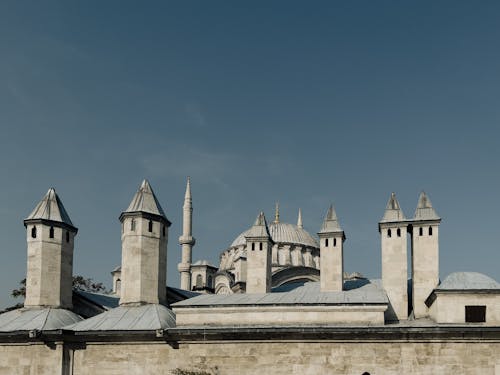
x=79, y=283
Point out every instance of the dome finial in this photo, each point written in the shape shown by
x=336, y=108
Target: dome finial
x=299, y=219
x=277, y=213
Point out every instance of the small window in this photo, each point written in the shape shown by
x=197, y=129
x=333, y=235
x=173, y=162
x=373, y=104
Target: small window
x=260, y=245
x=253, y=246
x=163, y=231
x=132, y=225
x=475, y=314
x=420, y=231
x=118, y=286
x=389, y=233
x=430, y=231
x=334, y=242
x=67, y=236
x=199, y=281
x=150, y=226
x=398, y=232
x=326, y=242
x=33, y=232
x=51, y=232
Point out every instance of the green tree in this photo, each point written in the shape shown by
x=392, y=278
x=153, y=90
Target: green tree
x=79, y=283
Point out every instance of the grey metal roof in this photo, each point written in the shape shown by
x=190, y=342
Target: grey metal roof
x=393, y=211
x=259, y=228
x=128, y=318
x=424, y=210
x=331, y=223
x=145, y=201
x=105, y=300
x=50, y=208
x=283, y=233
x=203, y=263
x=468, y=280
x=46, y=319
x=356, y=292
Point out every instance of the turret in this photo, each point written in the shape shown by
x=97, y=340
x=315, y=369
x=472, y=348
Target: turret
x=259, y=247
x=50, y=237
x=425, y=254
x=187, y=240
x=393, y=234
x=331, y=239
x=144, y=250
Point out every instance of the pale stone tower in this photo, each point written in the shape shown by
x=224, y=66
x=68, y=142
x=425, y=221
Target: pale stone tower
x=331, y=244
x=50, y=236
x=259, y=247
x=425, y=254
x=187, y=240
x=144, y=250
x=393, y=234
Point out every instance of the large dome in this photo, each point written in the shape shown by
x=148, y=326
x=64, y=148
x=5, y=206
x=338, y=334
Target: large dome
x=283, y=233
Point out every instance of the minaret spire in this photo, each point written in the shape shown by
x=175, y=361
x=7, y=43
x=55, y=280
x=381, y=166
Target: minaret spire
x=299, y=219
x=186, y=240
x=277, y=213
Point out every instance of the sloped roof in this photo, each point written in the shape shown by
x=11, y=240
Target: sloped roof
x=393, y=211
x=331, y=223
x=356, y=292
x=424, y=210
x=50, y=208
x=128, y=318
x=46, y=319
x=145, y=201
x=468, y=280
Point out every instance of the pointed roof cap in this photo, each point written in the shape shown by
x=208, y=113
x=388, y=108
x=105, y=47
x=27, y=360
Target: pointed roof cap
x=188, y=189
x=259, y=228
x=393, y=211
x=51, y=209
x=145, y=202
x=331, y=223
x=424, y=210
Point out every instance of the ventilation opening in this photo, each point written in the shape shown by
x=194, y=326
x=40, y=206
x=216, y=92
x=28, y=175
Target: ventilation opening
x=430, y=231
x=51, y=232
x=163, y=231
x=132, y=225
x=326, y=242
x=420, y=231
x=334, y=242
x=253, y=246
x=33, y=232
x=260, y=245
x=150, y=226
x=475, y=314
x=389, y=233
x=67, y=236
x=398, y=232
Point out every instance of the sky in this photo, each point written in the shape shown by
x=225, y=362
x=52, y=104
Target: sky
x=305, y=103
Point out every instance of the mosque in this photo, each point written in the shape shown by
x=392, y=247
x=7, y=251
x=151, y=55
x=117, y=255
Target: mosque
x=279, y=302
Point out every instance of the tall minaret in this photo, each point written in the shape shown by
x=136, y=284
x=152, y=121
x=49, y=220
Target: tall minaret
x=187, y=240
x=144, y=250
x=393, y=234
x=331, y=238
x=50, y=235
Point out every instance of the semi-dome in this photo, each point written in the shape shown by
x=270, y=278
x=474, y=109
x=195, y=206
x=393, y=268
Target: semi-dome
x=283, y=233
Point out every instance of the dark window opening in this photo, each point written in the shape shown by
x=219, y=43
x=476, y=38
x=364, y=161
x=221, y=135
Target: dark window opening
x=260, y=245
x=389, y=233
x=51, y=232
x=150, y=226
x=430, y=231
x=33, y=232
x=67, y=236
x=475, y=314
x=163, y=231
x=253, y=246
x=398, y=232
x=420, y=231
x=132, y=225
x=334, y=242
x=326, y=242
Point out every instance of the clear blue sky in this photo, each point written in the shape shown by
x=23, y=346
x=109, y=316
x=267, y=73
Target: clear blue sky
x=304, y=103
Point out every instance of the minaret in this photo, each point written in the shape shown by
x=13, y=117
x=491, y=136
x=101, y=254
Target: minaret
x=299, y=219
x=187, y=240
x=425, y=254
x=331, y=238
x=393, y=234
x=259, y=247
x=144, y=250
x=50, y=236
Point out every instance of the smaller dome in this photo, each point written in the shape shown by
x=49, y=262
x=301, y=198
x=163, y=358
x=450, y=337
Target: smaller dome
x=468, y=280
x=283, y=233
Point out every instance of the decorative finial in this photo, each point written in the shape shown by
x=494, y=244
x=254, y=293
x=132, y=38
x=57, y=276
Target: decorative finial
x=299, y=219
x=277, y=213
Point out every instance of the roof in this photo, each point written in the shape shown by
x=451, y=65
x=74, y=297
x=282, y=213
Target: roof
x=128, y=318
x=145, y=201
x=330, y=224
x=203, y=263
x=259, y=228
x=468, y=281
x=50, y=208
x=107, y=301
x=393, y=211
x=424, y=210
x=46, y=319
x=356, y=292
x=283, y=233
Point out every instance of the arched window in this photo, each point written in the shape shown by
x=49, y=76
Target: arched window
x=420, y=231
x=118, y=285
x=326, y=242
x=199, y=281
x=150, y=226
x=430, y=231
x=253, y=245
x=51, y=232
x=33, y=232
x=334, y=242
x=210, y=282
x=132, y=225
x=260, y=245
x=389, y=233
x=67, y=236
x=398, y=232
